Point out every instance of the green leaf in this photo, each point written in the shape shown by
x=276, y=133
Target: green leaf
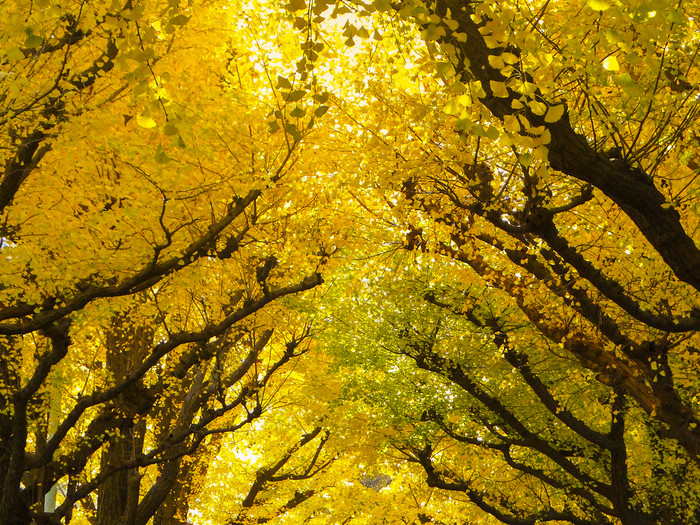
x=525, y=159
x=433, y=32
x=492, y=132
x=446, y=69
x=464, y=124
x=14, y=54
x=160, y=156
x=628, y=85
x=293, y=131
x=33, y=41
x=297, y=112
x=320, y=111
x=295, y=5
x=284, y=83
x=169, y=130
x=321, y=98
x=179, y=20
x=382, y=5
x=478, y=130
x=273, y=126
x=362, y=33
x=296, y=95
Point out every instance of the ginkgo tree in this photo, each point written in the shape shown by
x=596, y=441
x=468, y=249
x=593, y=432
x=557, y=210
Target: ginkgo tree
x=552, y=159
x=149, y=232
x=502, y=197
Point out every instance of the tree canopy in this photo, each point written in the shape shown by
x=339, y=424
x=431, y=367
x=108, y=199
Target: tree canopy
x=349, y=262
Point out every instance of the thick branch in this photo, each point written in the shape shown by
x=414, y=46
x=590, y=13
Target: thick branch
x=630, y=188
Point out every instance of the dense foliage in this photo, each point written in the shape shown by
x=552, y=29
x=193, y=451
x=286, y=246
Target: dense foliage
x=349, y=262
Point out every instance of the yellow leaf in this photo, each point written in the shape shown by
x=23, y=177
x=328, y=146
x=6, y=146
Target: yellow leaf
x=445, y=69
x=433, y=32
x=146, y=122
x=538, y=108
x=477, y=89
x=554, y=113
x=496, y=61
x=510, y=123
x=598, y=5
x=491, y=41
x=525, y=159
x=611, y=64
x=499, y=89
x=452, y=25
x=451, y=108
x=527, y=88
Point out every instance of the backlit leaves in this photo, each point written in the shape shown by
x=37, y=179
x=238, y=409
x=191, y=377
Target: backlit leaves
x=455, y=172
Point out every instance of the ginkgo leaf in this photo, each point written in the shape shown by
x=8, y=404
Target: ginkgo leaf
x=598, y=5
x=445, y=69
x=628, y=84
x=611, y=64
x=469, y=245
x=525, y=159
x=496, y=61
x=492, y=132
x=499, y=89
x=273, y=126
x=362, y=32
x=382, y=5
x=284, y=83
x=179, y=20
x=33, y=41
x=293, y=131
x=433, y=32
x=146, y=122
x=160, y=156
x=452, y=107
x=537, y=107
x=321, y=98
x=451, y=24
x=464, y=124
x=295, y=5
x=510, y=123
x=554, y=113
x=14, y=54
x=169, y=129
x=295, y=96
